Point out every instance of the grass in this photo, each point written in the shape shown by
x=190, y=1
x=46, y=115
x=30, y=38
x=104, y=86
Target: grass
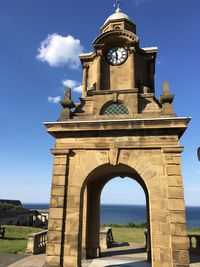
x=15, y=239
x=128, y=234
x=135, y=234
x=194, y=231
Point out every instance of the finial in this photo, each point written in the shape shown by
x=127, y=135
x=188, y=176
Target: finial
x=67, y=103
x=166, y=100
x=118, y=10
x=166, y=88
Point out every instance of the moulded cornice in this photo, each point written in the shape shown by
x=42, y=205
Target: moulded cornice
x=176, y=124
x=124, y=33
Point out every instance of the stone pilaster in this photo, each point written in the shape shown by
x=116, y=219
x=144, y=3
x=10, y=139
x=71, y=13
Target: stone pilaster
x=85, y=77
x=98, y=84
x=57, y=211
x=176, y=206
x=132, y=67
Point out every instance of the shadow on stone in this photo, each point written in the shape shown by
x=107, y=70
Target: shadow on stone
x=117, y=244
x=194, y=258
x=122, y=252
x=131, y=264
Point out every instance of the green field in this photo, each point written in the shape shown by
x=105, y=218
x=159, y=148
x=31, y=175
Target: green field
x=15, y=239
x=135, y=234
x=128, y=234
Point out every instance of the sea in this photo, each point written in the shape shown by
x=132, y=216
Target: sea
x=122, y=214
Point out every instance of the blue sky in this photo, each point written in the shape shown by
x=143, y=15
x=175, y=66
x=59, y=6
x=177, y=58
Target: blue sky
x=33, y=77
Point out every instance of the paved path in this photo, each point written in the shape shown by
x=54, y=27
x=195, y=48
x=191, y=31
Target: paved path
x=30, y=261
x=127, y=256
x=8, y=258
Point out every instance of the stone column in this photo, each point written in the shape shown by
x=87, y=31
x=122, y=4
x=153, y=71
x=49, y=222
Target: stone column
x=160, y=245
x=93, y=221
x=54, y=251
x=98, y=85
x=85, y=77
x=132, y=67
x=84, y=222
x=73, y=234
x=176, y=205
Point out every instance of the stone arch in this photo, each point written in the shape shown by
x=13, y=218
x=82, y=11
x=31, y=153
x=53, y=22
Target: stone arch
x=91, y=191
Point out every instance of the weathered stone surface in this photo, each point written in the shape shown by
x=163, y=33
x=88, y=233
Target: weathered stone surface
x=52, y=261
x=179, y=229
x=179, y=243
x=57, y=202
x=161, y=228
x=175, y=192
x=56, y=213
x=177, y=217
x=59, y=170
x=173, y=170
x=54, y=237
x=176, y=204
x=58, y=191
x=181, y=256
x=159, y=203
x=59, y=180
x=176, y=181
x=55, y=224
x=161, y=241
x=54, y=250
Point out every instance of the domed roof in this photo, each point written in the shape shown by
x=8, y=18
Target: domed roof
x=118, y=15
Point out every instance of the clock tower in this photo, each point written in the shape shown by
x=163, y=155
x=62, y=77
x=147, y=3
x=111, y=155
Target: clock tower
x=119, y=128
x=117, y=72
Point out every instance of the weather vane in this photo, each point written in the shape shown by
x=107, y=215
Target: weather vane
x=117, y=3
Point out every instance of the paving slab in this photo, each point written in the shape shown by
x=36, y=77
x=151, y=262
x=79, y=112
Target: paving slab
x=117, y=263
x=8, y=258
x=30, y=261
x=128, y=256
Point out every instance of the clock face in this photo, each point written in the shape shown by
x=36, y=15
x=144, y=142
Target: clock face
x=116, y=55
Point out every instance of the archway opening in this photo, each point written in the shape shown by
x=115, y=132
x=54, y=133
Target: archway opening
x=91, y=195
x=123, y=219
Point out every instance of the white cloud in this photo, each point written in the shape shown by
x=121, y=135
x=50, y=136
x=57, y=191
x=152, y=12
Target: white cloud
x=194, y=189
x=58, y=50
x=74, y=85
x=78, y=89
x=54, y=100
x=70, y=83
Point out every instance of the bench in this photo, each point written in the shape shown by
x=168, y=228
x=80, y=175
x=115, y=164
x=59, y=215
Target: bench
x=2, y=231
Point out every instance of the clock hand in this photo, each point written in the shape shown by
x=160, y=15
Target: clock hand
x=116, y=55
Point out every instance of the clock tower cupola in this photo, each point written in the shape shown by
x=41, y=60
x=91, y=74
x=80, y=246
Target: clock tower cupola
x=118, y=76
